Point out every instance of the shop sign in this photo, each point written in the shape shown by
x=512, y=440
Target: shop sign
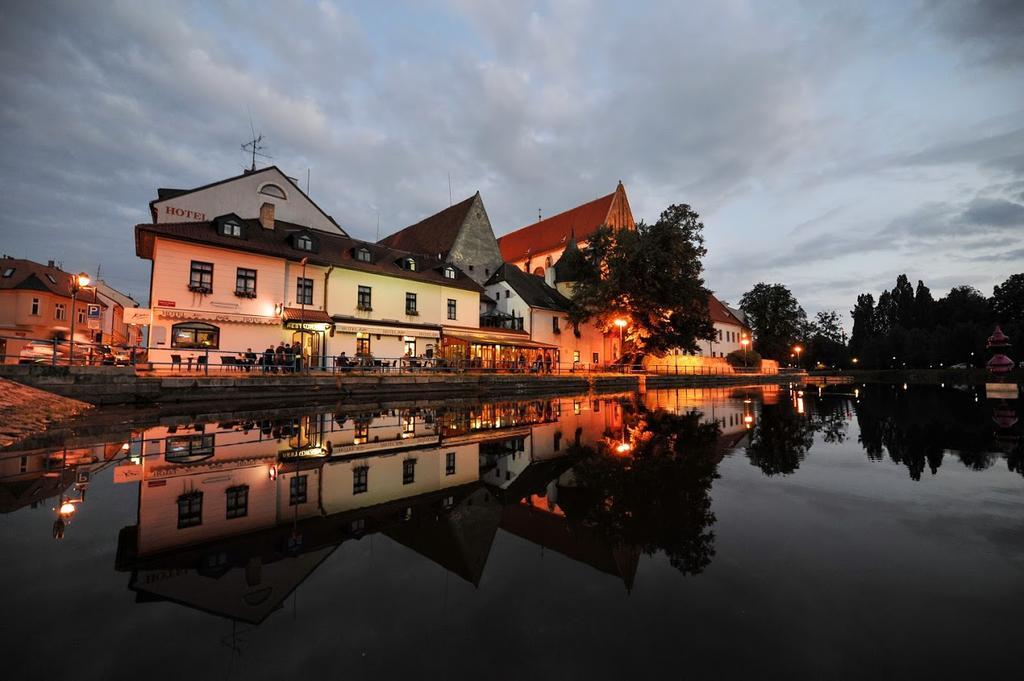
x=137, y=315
x=306, y=326
x=166, y=303
x=215, y=317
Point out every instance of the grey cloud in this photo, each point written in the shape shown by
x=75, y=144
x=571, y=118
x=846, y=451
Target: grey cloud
x=998, y=213
x=990, y=30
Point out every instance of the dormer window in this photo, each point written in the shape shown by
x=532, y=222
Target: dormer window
x=231, y=228
x=363, y=255
x=449, y=273
x=409, y=264
x=303, y=243
x=50, y=277
x=273, y=190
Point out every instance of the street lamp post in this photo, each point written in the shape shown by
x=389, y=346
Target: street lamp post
x=798, y=349
x=78, y=282
x=621, y=323
x=744, y=342
x=302, y=318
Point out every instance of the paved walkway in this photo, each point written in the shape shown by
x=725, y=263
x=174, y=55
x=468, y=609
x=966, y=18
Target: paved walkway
x=25, y=410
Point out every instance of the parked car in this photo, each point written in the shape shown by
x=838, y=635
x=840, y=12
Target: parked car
x=42, y=352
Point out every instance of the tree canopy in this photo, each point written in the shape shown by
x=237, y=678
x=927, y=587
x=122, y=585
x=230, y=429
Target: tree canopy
x=652, y=277
x=776, y=318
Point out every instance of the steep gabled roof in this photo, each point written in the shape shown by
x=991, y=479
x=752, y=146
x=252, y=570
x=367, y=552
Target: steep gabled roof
x=532, y=289
x=572, y=265
x=435, y=234
x=720, y=313
x=164, y=193
x=553, y=232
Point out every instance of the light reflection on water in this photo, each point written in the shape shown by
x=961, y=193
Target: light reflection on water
x=691, y=508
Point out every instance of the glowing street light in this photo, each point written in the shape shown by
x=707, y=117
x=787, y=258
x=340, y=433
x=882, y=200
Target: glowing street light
x=744, y=341
x=78, y=282
x=798, y=349
x=621, y=323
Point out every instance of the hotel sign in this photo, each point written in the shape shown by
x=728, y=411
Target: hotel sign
x=174, y=211
x=217, y=317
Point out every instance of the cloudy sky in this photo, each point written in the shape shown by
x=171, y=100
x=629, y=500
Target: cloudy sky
x=828, y=146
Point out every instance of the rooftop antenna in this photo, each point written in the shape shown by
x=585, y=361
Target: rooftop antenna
x=254, y=146
x=450, y=202
x=307, y=181
x=538, y=215
x=378, y=225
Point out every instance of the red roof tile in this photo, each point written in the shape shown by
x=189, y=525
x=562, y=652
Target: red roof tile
x=720, y=313
x=30, y=275
x=297, y=314
x=552, y=233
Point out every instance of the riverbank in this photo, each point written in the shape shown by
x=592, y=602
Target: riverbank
x=25, y=410
x=976, y=376
x=122, y=386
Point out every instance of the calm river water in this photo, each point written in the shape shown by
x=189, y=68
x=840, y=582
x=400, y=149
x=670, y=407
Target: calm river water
x=842, y=532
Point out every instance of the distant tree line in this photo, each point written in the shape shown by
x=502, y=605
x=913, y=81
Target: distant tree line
x=908, y=327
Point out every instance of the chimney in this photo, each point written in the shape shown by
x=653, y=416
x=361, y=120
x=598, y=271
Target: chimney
x=49, y=263
x=267, y=215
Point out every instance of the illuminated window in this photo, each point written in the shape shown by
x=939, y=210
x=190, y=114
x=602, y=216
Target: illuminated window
x=575, y=356
x=297, y=490
x=195, y=335
x=408, y=471
x=190, y=510
x=360, y=479
x=237, y=501
x=362, y=344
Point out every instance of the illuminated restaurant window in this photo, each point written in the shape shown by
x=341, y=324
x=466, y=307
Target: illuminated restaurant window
x=362, y=345
x=190, y=510
x=237, y=501
x=199, y=335
x=297, y=490
x=449, y=463
x=188, y=448
x=360, y=479
x=408, y=471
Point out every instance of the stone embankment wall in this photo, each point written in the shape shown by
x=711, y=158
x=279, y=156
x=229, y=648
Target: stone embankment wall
x=25, y=410
x=120, y=385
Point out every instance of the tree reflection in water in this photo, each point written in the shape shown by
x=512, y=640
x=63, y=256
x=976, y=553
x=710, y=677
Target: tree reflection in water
x=656, y=496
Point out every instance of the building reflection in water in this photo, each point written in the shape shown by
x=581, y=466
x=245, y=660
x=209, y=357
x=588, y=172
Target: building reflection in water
x=234, y=515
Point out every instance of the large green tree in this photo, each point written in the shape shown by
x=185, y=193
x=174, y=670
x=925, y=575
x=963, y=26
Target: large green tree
x=1007, y=300
x=652, y=277
x=776, y=318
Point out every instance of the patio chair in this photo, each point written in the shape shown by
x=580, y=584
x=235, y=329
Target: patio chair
x=176, y=362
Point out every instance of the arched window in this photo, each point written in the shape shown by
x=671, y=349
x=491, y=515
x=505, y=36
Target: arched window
x=539, y=271
x=303, y=243
x=271, y=189
x=198, y=335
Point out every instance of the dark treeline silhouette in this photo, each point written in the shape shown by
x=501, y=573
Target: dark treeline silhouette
x=908, y=327
x=782, y=436
x=918, y=426
x=659, y=497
